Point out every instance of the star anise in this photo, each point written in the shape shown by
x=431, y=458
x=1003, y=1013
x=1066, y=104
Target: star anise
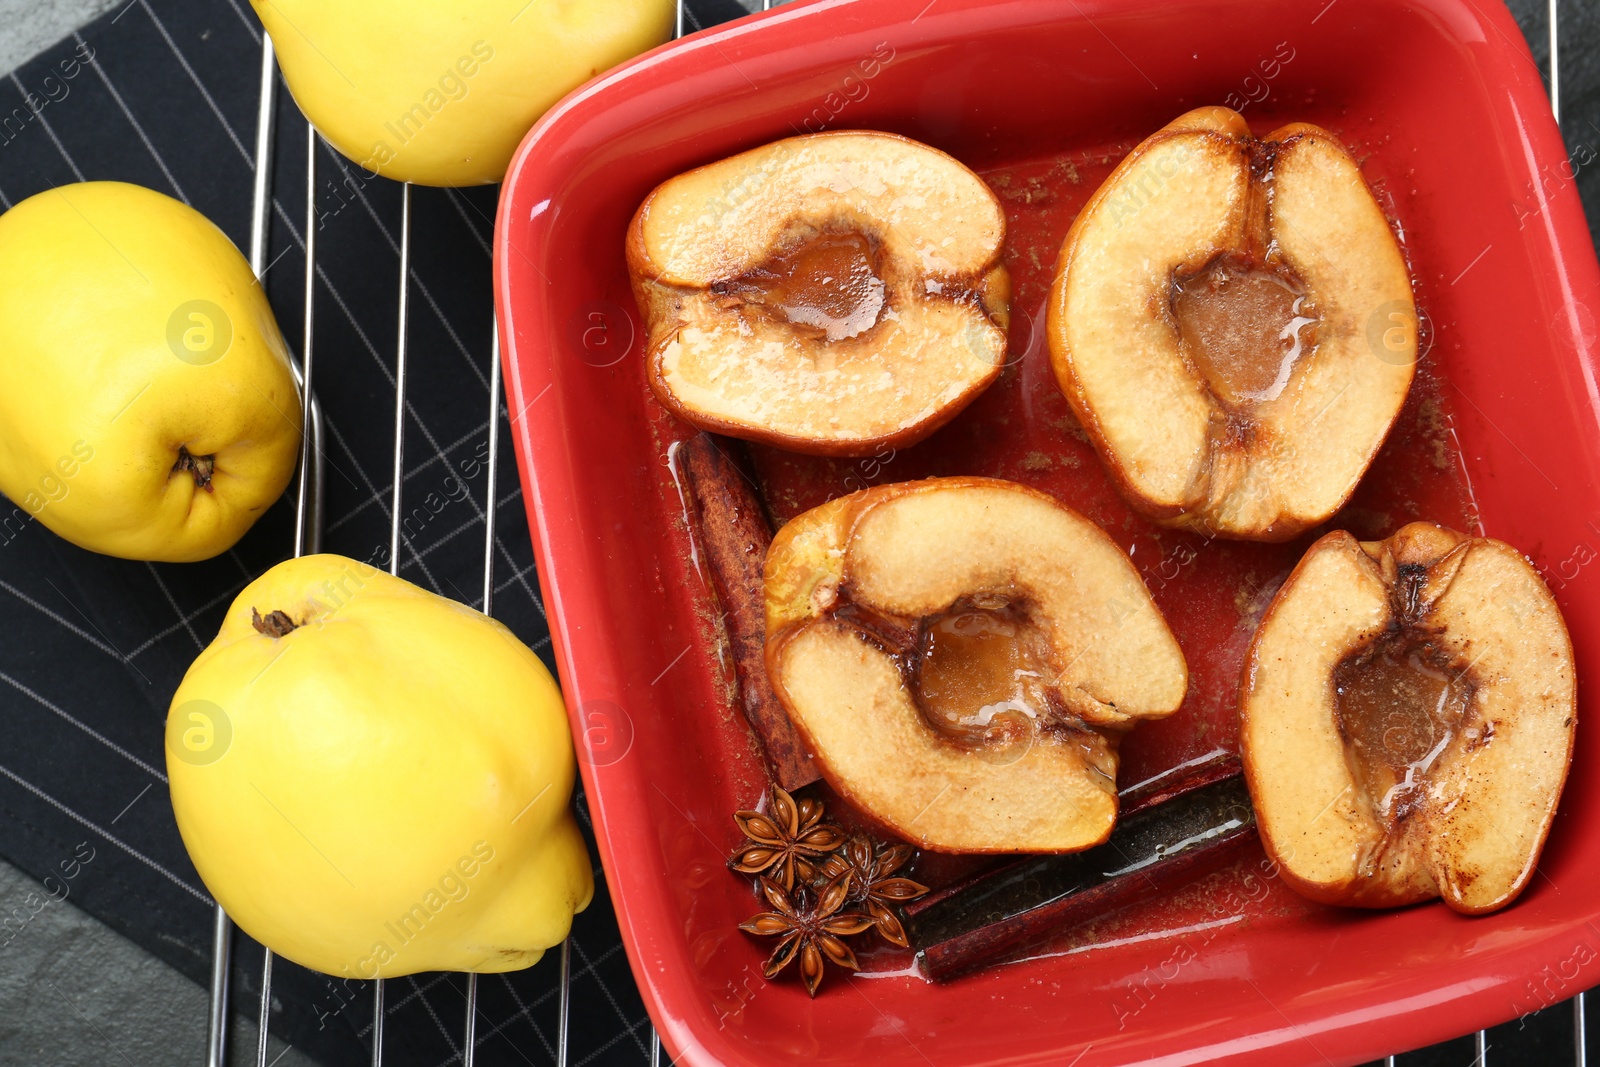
x=873, y=885
x=809, y=927
x=787, y=840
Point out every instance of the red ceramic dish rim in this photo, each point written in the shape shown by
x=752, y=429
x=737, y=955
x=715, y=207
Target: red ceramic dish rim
x=622, y=809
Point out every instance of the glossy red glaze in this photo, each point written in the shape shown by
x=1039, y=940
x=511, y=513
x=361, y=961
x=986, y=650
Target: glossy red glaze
x=1441, y=101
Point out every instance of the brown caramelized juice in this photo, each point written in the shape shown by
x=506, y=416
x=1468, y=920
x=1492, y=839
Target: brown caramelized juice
x=1242, y=326
x=828, y=283
x=975, y=679
x=1211, y=591
x=1398, y=707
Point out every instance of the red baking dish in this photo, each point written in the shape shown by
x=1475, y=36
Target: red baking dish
x=1440, y=100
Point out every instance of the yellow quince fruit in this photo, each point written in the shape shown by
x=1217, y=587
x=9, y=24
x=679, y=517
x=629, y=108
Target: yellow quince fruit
x=147, y=406
x=442, y=93
x=374, y=780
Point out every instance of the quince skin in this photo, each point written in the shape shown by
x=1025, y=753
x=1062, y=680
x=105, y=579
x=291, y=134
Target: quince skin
x=374, y=780
x=442, y=93
x=147, y=406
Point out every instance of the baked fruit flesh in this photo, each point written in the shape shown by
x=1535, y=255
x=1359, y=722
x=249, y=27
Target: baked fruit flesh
x=1407, y=718
x=962, y=655
x=829, y=294
x=1232, y=323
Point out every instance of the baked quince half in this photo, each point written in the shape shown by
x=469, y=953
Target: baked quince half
x=1408, y=710
x=962, y=655
x=1232, y=323
x=828, y=293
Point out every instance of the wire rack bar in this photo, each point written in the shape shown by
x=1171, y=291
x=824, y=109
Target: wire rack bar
x=492, y=489
x=563, y=1024
x=262, y=180
x=469, y=1044
x=400, y=361
x=308, y=499
x=265, y=1016
x=221, y=959
x=313, y=457
x=400, y=378
x=1580, y=1036
x=1555, y=57
x=377, y=1023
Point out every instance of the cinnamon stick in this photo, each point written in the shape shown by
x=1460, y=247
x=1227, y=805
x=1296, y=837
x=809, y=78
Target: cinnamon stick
x=1159, y=847
x=1184, y=778
x=734, y=535
x=1132, y=799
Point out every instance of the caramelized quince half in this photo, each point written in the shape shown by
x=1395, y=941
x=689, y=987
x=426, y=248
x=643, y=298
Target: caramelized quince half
x=828, y=293
x=962, y=655
x=1232, y=323
x=1408, y=710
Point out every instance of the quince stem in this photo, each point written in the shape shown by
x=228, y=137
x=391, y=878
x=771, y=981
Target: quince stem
x=274, y=624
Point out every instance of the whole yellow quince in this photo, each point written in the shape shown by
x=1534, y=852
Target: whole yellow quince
x=442, y=93
x=374, y=780
x=147, y=406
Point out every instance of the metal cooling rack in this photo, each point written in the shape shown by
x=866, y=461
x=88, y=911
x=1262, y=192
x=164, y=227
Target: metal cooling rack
x=308, y=538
